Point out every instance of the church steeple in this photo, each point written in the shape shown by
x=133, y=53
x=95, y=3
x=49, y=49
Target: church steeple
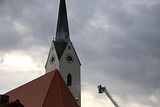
x=62, y=55
x=62, y=33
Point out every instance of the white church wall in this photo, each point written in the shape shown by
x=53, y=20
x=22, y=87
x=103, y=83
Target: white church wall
x=52, y=65
x=72, y=67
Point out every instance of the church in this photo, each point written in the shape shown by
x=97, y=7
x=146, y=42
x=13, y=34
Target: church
x=61, y=85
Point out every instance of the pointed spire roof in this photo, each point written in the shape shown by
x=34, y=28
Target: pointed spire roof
x=62, y=33
x=49, y=90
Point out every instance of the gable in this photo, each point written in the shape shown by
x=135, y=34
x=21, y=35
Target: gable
x=52, y=60
x=49, y=90
x=70, y=50
x=33, y=93
x=62, y=95
x=60, y=47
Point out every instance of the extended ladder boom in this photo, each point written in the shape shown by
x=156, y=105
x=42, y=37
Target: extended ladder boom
x=103, y=89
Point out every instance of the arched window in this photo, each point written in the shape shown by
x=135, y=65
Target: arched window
x=69, y=79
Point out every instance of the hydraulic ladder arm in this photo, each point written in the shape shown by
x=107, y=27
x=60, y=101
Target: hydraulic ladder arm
x=103, y=89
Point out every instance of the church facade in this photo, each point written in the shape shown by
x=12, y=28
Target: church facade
x=63, y=57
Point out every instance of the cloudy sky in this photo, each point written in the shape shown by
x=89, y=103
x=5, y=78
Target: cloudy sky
x=117, y=41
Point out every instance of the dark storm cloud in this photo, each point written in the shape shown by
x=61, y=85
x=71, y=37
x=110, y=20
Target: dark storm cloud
x=36, y=17
x=128, y=51
x=117, y=41
x=138, y=47
x=39, y=18
x=77, y=17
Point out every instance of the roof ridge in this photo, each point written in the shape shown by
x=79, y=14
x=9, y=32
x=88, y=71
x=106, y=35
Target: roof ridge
x=28, y=83
x=59, y=88
x=54, y=71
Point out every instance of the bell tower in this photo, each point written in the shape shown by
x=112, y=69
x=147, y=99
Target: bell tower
x=62, y=55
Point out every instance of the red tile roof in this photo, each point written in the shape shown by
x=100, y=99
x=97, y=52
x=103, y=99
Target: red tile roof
x=49, y=90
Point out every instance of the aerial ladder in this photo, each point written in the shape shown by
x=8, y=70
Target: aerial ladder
x=103, y=89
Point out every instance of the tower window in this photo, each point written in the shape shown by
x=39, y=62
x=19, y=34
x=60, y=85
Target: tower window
x=69, y=47
x=69, y=79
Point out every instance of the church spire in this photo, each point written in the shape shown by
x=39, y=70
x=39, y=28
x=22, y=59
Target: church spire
x=62, y=55
x=62, y=33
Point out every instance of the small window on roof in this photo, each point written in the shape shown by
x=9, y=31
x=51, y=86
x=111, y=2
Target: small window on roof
x=69, y=47
x=69, y=79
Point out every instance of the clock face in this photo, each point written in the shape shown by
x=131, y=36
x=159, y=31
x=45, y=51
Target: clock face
x=69, y=58
x=52, y=59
